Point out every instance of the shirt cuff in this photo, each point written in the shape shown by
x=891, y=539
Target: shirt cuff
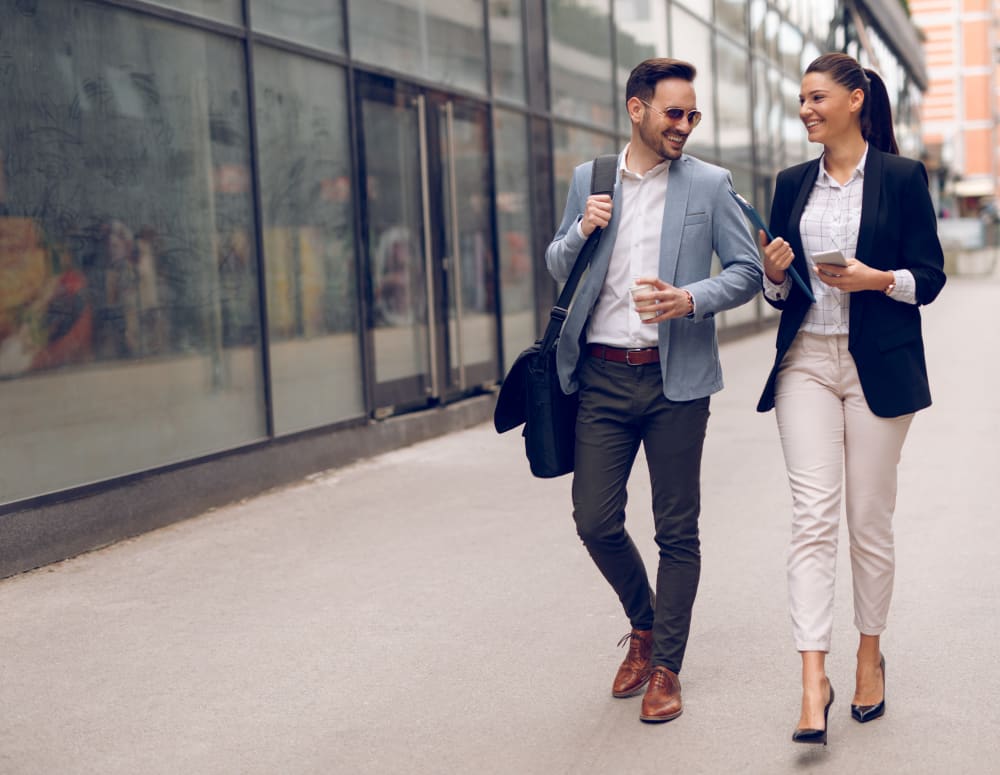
x=777, y=291
x=579, y=229
x=906, y=287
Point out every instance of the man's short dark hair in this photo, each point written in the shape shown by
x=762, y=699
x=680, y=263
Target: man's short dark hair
x=644, y=77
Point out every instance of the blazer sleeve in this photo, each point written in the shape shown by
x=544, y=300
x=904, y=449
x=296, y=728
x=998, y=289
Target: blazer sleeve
x=781, y=208
x=921, y=249
x=568, y=242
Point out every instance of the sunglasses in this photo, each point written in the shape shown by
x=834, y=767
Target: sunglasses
x=676, y=114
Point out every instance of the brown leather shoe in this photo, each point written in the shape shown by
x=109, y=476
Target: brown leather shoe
x=663, y=696
x=635, y=670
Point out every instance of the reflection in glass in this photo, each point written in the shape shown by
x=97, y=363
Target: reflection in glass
x=734, y=103
x=702, y=8
x=223, y=10
x=641, y=29
x=580, y=60
x=731, y=16
x=761, y=105
x=517, y=284
x=129, y=321
x=794, y=132
x=468, y=245
x=572, y=147
x=312, y=22
x=441, y=40
x=507, y=49
x=692, y=41
x=305, y=170
x=396, y=269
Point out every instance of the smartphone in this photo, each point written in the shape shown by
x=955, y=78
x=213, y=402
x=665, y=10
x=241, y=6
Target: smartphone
x=830, y=257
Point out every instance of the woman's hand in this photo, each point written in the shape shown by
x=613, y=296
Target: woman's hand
x=778, y=256
x=856, y=276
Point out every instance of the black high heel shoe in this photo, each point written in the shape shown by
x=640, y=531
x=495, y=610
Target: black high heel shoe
x=865, y=713
x=815, y=736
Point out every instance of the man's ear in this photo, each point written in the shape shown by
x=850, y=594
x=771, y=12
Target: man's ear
x=635, y=108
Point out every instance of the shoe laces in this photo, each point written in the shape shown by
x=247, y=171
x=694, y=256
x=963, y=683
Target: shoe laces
x=659, y=678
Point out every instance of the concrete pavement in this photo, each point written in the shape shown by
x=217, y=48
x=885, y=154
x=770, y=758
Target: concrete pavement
x=431, y=611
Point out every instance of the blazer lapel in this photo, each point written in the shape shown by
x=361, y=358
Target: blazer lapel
x=674, y=210
x=795, y=236
x=871, y=193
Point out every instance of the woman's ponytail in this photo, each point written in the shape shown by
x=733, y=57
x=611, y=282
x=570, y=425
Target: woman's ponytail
x=876, y=116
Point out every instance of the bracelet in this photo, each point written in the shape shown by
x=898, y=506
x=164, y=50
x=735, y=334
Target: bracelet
x=690, y=302
x=890, y=287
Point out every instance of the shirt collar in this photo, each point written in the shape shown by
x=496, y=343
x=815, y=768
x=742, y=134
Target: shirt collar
x=824, y=178
x=624, y=172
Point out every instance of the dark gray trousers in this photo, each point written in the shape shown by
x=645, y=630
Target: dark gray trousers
x=621, y=406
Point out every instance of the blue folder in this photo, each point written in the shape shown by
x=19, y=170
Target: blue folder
x=757, y=221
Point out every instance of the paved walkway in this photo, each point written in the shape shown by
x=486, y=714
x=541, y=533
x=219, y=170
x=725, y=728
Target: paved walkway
x=431, y=611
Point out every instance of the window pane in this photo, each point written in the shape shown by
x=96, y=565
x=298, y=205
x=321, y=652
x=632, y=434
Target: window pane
x=316, y=23
x=128, y=289
x=692, y=41
x=507, y=49
x=701, y=7
x=734, y=103
x=573, y=147
x=794, y=133
x=223, y=10
x=305, y=170
x=441, y=40
x=580, y=57
x=517, y=286
x=642, y=34
x=730, y=15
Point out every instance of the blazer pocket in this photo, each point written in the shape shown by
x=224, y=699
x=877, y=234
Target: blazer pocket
x=898, y=337
x=691, y=219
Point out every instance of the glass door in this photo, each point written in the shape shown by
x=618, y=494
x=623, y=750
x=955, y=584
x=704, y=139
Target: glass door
x=429, y=248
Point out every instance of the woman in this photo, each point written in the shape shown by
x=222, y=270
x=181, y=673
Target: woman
x=849, y=371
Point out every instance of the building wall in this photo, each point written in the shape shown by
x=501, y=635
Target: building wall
x=230, y=228
x=961, y=104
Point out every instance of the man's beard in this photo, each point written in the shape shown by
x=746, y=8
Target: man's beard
x=656, y=142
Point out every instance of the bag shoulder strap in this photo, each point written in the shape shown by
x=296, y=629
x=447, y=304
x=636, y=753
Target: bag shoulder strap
x=602, y=181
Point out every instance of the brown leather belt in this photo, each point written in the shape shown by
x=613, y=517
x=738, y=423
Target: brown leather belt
x=637, y=357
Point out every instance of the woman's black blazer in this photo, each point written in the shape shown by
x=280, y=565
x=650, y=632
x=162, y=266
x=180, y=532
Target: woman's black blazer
x=898, y=231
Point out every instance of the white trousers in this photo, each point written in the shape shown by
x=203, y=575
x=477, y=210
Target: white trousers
x=832, y=444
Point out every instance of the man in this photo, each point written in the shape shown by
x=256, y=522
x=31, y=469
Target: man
x=649, y=381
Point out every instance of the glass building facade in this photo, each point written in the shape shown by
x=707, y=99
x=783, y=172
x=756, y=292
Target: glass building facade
x=226, y=223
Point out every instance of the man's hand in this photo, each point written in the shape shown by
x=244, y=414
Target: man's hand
x=596, y=214
x=666, y=300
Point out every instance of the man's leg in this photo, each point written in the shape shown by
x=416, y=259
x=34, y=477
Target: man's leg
x=673, y=438
x=607, y=439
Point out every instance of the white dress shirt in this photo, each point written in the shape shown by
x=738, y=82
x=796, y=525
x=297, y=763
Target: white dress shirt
x=636, y=253
x=831, y=221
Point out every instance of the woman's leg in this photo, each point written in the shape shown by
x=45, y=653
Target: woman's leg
x=815, y=690
x=872, y=451
x=811, y=425
x=869, y=683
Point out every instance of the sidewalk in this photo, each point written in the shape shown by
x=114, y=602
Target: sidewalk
x=432, y=611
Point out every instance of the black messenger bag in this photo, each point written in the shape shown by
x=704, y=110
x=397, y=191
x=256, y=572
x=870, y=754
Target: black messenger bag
x=531, y=393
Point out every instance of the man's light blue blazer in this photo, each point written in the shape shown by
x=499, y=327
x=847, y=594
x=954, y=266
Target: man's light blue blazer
x=699, y=217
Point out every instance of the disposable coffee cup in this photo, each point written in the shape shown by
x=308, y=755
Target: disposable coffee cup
x=643, y=288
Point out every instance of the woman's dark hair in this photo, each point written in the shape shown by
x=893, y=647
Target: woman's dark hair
x=876, y=113
x=645, y=75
